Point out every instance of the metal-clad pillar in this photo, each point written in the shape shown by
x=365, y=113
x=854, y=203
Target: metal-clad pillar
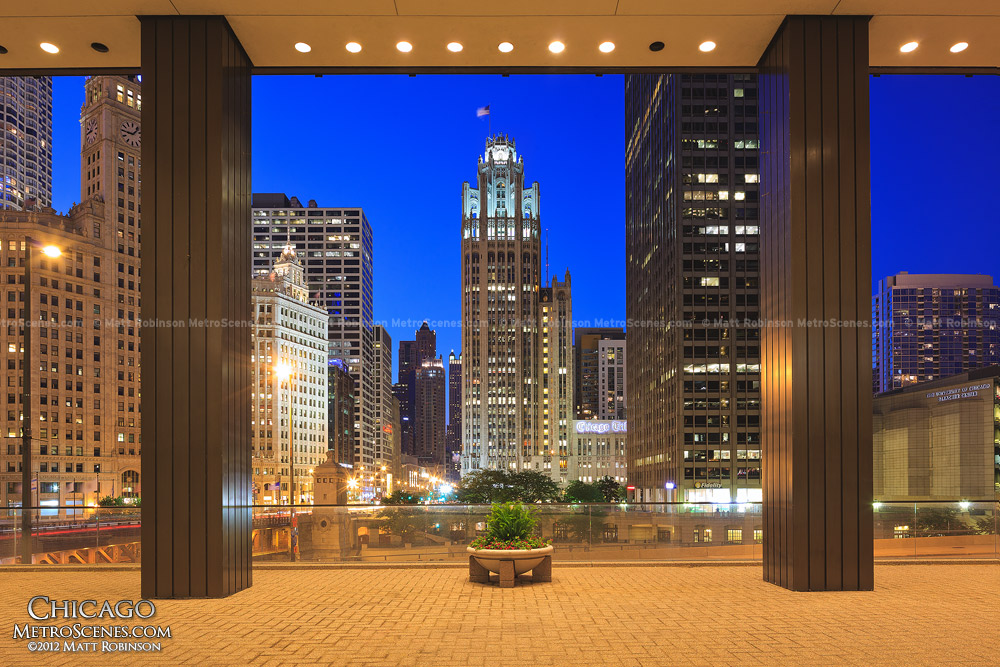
x=815, y=290
x=196, y=474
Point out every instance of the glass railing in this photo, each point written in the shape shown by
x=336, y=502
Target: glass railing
x=440, y=533
x=72, y=535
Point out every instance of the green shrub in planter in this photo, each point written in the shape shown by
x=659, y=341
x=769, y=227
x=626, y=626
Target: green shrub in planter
x=510, y=526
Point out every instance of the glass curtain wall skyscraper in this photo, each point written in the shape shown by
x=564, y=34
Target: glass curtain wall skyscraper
x=931, y=326
x=26, y=142
x=692, y=280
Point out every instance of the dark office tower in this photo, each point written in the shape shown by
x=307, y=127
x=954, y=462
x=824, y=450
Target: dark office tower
x=586, y=369
x=927, y=327
x=501, y=276
x=430, y=413
x=340, y=402
x=426, y=344
x=453, y=433
x=26, y=141
x=691, y=251
x=405, y=390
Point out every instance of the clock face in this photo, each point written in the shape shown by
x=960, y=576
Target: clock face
x=130, y=133
x=91, y=130
x=501, y=153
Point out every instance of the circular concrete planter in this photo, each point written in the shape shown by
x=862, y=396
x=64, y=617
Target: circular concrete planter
x=524, y=559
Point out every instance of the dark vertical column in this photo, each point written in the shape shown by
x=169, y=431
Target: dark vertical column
x=196, y=521
x=815, y=286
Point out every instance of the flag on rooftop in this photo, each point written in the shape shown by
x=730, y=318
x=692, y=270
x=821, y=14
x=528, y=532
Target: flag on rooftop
x=483, y=111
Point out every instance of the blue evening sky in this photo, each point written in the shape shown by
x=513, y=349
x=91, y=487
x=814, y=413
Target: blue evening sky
x=400, y=147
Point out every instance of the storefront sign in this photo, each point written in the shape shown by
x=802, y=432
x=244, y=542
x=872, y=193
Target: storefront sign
x=597, y=426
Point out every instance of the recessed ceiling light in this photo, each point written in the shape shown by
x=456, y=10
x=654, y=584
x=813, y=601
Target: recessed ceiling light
x=705, y=47
x=454, y=47
x=505, y=47
x=656, y=46
x=302, y=47
x=353, y=47
x=557, y=47
x=404, y=47
x=958, y=48
x=606, y=47
x=49, y=48
x=908, y=47
x=100, y=48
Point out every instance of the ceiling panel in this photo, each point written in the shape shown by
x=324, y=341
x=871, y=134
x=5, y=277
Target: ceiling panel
x=269, y=41
x=298, y=8
x=723, y=7
x=268, y=34
x=21, y=37
x=919, y=7
x=935, y=36
x=69, y=8
x=506, y=8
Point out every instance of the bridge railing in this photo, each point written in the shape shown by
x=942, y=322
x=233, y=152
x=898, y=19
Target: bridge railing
x=441, y=532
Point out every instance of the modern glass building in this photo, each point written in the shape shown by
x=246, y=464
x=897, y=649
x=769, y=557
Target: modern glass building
x=692, y=286
x=26, y=142
x=931, y=326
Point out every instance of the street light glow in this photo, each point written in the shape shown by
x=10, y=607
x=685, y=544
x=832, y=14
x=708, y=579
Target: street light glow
x=283, y=370
x=51, y=251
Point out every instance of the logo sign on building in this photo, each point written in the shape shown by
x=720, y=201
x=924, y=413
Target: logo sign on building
x=708, y=485
x=598, y=427
x=964, y=392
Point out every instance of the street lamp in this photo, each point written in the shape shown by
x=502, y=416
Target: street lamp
x=48, y=251
x=284, y=372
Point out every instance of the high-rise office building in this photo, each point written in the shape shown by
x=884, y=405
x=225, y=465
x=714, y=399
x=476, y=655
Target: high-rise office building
x=96, y=450
x=340, y=414
x=426, y=342
x=931, y=326
x=290, y=414
x=337, y=258
x=429, y=413
x=453, y=432
x=412, y=354
x=26, y=142
x=692, y=256
x=383, y=410
x=554, y=382
x=110, y=162
x=404, y=390
x=586, y=368
x=75, y=394
x=501, y=276
x=611, y=379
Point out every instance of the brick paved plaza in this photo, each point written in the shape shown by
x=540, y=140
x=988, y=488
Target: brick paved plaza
x=720, y=615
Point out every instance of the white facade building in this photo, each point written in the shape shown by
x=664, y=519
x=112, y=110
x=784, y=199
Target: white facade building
x=598, y=450
x=335, y=246
x=289, y=383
